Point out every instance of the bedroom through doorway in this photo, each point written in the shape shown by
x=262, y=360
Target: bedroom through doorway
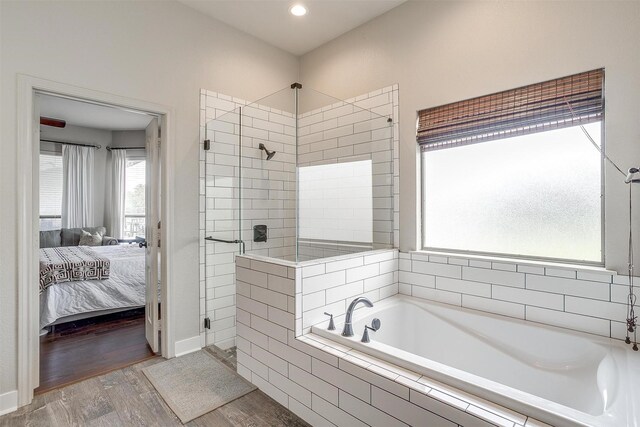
x=99, y=236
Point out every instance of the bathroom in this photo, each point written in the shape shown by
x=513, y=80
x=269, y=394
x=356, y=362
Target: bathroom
x=308, y=193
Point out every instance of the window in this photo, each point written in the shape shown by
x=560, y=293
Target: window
x=134, y=199
x=50, y=191
x=336, y=202
x=516, y=177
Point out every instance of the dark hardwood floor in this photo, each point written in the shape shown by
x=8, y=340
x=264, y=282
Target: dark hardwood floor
x=91, y=347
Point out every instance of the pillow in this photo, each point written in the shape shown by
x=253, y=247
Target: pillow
x=88, y=239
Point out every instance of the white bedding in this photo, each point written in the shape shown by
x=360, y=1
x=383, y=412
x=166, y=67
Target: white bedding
x=123, y=289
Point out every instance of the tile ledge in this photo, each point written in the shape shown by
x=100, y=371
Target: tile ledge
x=497, y=410
x=300, y=264
x=524, y=262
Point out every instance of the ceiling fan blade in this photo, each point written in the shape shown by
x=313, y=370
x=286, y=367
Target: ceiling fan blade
x=56, y=123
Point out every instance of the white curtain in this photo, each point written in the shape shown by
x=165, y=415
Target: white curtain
x=115, y=199
x=77, y=186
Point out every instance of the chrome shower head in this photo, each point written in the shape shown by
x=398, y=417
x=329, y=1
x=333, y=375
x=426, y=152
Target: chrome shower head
x=270, y=154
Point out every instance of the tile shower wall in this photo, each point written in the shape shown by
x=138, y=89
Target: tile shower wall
x=347, y=132
x=328, y=384
x=584, y=299
x=268, y=195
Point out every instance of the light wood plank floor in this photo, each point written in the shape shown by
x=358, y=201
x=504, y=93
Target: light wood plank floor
x=126, y=398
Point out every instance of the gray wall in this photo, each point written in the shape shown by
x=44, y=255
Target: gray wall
x=441, y=52
x=161, y=52
x=128, y=138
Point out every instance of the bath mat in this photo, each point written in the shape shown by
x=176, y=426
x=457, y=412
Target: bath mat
x=195, y=384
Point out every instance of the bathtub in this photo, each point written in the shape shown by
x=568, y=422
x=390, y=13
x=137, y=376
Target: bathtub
x=560, y=377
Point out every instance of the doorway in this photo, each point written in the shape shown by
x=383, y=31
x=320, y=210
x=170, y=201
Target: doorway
x=98, y=175
x=156, y=145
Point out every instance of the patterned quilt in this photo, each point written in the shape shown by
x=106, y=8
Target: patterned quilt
x=70, y=263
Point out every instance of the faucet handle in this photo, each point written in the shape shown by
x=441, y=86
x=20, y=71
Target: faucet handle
x=365, y=335
x=375, y=324
x=332, y=326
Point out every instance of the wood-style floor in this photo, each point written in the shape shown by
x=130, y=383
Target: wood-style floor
x=126, y=398
x=90, y=347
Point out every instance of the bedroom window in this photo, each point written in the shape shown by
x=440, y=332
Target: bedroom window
x=134, y=200
x=514, y=173
x=50, y=191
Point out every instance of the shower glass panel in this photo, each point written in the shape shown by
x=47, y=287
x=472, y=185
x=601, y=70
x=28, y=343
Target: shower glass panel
x=298, y=175
x=345, y=172
x=268, y=176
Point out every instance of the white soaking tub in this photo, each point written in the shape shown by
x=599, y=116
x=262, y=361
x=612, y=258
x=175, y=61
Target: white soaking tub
x=560, y=377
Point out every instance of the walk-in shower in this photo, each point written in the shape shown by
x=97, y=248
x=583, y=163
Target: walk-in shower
x=329, y=189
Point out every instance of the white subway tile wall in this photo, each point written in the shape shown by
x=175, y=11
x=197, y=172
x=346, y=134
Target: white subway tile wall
x=330, y=285
x=584, y=299
x=328, y=384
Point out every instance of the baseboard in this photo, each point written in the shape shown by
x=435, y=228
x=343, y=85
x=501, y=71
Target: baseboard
x=226, y=344
x=8, y=402
x=187, y=346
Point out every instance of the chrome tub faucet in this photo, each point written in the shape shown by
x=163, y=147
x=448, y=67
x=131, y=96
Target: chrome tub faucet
x=348, y=329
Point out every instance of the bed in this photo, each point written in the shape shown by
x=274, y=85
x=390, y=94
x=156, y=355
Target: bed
x=123, y=290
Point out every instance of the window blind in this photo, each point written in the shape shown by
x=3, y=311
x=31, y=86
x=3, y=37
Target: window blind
x=568, y=101
x=50, y=184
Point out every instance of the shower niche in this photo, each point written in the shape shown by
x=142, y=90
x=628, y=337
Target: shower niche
x=297, y=175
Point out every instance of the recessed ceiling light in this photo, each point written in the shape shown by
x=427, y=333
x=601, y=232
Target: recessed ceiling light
x=298, y=10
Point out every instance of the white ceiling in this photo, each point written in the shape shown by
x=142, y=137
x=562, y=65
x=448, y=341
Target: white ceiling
x=78, y=113
x=271, y=21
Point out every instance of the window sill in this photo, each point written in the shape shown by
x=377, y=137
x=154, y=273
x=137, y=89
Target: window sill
x=520, y=262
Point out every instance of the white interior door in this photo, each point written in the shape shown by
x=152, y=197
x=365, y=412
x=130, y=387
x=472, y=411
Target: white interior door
x=152, y=233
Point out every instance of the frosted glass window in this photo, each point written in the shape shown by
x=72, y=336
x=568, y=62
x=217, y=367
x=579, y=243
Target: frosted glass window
x=336, y=202
x=536, y=195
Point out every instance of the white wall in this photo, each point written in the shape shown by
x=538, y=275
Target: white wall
x=86, y=135
x=160, y=52
x=440, y=52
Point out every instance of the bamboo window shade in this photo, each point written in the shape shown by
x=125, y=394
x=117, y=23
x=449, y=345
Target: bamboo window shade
x=568, y=101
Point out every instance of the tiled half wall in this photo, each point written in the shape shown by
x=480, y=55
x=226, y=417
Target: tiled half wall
x=323, y=382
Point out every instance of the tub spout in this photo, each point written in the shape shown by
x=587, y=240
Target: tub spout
x=348, y=329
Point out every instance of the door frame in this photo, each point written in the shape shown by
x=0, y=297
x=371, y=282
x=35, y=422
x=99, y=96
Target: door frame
x=28, y=140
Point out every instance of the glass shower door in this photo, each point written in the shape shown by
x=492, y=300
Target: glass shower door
x=221, y=234
x=267, y=187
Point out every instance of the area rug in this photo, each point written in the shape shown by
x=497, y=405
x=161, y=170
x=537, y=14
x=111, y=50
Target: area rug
x=195, y=384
